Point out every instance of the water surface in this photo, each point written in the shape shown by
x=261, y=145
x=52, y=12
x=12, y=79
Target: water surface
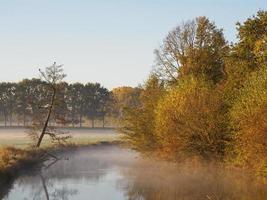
x=109, y=172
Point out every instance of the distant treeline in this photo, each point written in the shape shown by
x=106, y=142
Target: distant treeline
x=206, y=98
x=21, y=102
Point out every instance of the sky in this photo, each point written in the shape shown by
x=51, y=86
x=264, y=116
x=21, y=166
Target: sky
x=105, y=41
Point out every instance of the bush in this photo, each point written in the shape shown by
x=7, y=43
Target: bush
x=138, y=123
x=190, y=121
x=249, y=119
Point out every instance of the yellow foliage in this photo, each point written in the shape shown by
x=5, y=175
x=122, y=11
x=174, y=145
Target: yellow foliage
x=249, y=117
x=138, y=123
x=190, y=121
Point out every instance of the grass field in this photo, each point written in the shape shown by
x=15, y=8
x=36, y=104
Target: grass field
x=17, y=137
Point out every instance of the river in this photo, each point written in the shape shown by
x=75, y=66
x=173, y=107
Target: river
x=111, y=172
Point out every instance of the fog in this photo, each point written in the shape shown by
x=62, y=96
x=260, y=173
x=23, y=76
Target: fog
x=112, y=172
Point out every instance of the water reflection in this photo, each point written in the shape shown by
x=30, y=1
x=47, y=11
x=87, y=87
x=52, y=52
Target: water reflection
x=110, y=172
x=89, y=173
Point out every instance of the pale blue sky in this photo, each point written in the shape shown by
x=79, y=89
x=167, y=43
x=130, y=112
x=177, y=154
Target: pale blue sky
x=106, y=41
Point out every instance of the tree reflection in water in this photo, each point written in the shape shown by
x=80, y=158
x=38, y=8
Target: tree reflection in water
x=90, y=172
x=46, y=189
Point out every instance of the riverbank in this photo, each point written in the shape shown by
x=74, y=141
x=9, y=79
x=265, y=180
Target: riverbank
x=14, y=161
x=16, y=152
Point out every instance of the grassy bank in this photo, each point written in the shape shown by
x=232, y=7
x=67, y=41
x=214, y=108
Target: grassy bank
x=16, y=153
x=12, y=160
x=17, y=136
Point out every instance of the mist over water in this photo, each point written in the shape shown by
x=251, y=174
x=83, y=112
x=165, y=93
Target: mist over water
x=111, y=172
x=153, y=180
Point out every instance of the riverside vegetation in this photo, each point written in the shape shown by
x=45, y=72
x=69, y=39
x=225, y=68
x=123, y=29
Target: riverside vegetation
x=206, y=99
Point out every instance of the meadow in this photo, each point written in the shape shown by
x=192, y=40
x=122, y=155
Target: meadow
x=17, y=137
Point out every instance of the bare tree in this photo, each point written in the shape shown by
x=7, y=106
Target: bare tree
x=52, y=76
x=173, y=52
x=196, y=47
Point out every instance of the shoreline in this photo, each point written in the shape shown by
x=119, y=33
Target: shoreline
x=18, y=160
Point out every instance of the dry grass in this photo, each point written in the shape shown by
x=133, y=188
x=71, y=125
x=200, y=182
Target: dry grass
x=13, y=159
x=15, y=151
x=17, y=137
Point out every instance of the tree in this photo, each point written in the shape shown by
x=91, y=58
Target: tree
x=248, y=55
x=21, y=106
x=95, y=98
x=252, y=35
x=61, y=112
x=191, y=121
x=249, y=121
x=124, y=97
x=138, y=123
x=196, y=47
x=52, y=76
x=75, y=102
x=8, y=101
x=103, y=102
x=4, y=101
x=30, y=95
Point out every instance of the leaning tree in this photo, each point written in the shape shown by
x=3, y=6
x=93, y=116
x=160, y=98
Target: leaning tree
x=52, y=77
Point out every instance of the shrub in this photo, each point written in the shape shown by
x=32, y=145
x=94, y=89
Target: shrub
x=139, y=122
x=190, y=121
x=249, y=119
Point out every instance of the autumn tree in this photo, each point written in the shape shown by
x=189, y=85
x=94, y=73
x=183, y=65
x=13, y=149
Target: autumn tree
x=249, y=120
x=251, y=45
x=248, y=55
x=188, y=117
x=124, y=97
x=191, y=121
x=196, y=47
x=138, y=123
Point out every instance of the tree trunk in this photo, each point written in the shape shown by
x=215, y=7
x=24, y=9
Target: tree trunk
x=93, y=122
x=103, y=120
x=47, y=118
x=72, y=119
x=10, y=119
x=45, y=188
x=80, y=121
x=5, y=118
x=24, y=119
